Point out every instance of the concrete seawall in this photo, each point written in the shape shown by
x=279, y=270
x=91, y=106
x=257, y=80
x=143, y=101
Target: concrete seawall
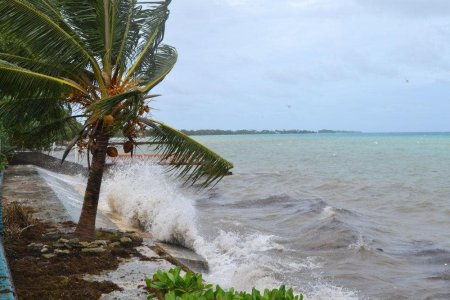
x=47, y=162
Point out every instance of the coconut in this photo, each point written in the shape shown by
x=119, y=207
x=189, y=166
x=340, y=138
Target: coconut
x=112, y=151
x=108, y=120
x=128, y=146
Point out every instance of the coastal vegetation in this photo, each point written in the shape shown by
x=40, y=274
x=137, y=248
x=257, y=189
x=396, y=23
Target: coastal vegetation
x=6, y=149
x=39, y=130
x=172, y=285
x=94, y=62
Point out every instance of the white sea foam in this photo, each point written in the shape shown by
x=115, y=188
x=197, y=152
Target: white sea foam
x=144, y=195
x=328, y=212
x=239, y=261
x=322, y=291
x=360, y=244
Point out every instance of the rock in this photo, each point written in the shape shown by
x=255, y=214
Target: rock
x=75, y=242
x=125, y=240
x=49, y=255
x=62, y=252
x=44, y=250
x=114, y=245
x=35, y=246
x=54, y=235
x=85, y=244
x=93, y=250
x=58, y=245
x=68, y=246
x=101, y=242
x=135, y=238
x=63, y=241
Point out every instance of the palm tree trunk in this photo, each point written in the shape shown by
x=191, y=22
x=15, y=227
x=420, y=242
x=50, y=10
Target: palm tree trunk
x=86, y=225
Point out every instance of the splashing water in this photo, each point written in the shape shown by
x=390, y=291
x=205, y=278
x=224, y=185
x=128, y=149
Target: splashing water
x=370, y=219
x=144, y=195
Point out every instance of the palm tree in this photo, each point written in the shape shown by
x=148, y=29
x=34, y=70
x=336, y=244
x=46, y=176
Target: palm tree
x=98, y=60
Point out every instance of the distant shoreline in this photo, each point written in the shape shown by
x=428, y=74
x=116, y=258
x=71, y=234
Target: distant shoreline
x=252, y=132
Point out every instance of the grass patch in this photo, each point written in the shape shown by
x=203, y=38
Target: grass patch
x=16, y=220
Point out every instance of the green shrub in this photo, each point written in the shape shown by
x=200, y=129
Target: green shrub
x=6, y=150
x=171, y=285
x=3, y=161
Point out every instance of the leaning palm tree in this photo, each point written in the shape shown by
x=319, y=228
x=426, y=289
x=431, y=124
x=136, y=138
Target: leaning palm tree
x=98, y=60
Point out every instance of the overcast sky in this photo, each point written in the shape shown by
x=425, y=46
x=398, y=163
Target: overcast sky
x=369, y=65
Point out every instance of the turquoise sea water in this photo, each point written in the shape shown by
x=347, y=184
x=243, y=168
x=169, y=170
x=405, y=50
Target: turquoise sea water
x=336, y=216
x=371, y=212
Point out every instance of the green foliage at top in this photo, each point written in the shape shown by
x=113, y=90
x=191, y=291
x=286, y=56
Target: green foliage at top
x=171, y=285
x=91, y=58
x=32, y=124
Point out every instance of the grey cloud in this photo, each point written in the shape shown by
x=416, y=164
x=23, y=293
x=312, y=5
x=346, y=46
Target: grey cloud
x=327, y=59
x=416, y=8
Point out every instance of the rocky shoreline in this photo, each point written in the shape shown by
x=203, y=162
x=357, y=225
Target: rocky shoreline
x=66, y=246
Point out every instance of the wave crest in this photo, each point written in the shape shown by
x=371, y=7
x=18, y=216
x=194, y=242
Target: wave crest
x=145, y=197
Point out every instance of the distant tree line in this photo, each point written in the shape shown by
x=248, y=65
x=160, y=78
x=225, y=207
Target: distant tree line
x=243, y=131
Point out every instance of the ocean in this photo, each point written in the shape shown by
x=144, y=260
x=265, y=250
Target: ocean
x=335, y=216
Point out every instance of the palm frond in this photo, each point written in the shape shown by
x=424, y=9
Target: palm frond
x=36, y=65
x=74, y=140
x=107, y=105
x=47, y=132
x=123, y=30
x=27, y=110
x=42, y=27
x=87, y=18
x=152, y=33
x=17, y=81
x=156, y=69
x=190, y=159
x=10, y=44
x=36, y=123
x=23, y=20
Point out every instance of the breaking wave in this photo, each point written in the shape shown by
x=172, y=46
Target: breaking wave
x=145, y=196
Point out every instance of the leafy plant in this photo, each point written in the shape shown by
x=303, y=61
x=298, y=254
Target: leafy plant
x=172, y=281
x=171, y=285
